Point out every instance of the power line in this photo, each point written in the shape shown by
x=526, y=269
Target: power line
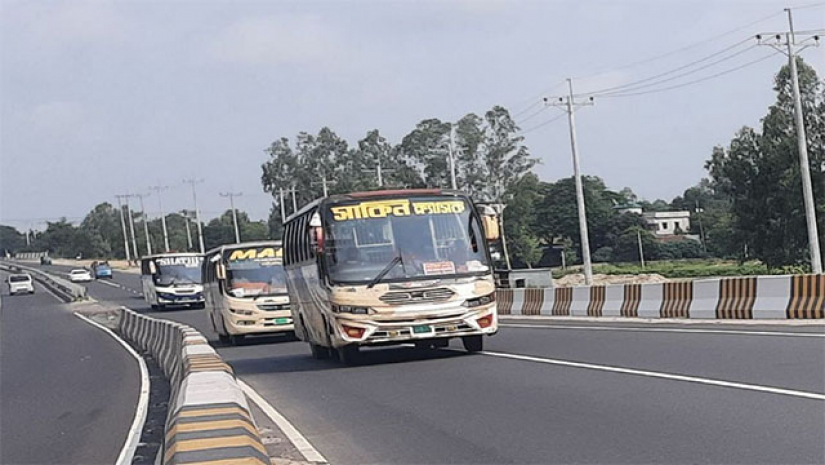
x=532, y=115
x=533, y=128
x=696, y=81
x=682, y=49
x=536, y=103
x=680, y=68
x=538, y=96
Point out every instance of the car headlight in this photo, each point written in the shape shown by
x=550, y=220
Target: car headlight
x=483, y=300
x=351, y=309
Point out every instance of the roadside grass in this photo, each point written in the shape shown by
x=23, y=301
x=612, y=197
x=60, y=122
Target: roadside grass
x=697, y=268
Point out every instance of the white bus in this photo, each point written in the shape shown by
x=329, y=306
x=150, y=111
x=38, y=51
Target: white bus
x=391, y=267
x=245, y=290
x=172, y=279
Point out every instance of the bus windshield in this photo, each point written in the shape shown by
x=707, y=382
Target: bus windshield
x=255, y=272
x=412, y=238
x=177, y=270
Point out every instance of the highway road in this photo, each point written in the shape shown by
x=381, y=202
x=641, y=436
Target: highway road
x=548, y=392
x=69, y=390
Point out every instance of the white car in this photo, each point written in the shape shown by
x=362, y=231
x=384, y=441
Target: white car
x=80, y=275
x=20, y=283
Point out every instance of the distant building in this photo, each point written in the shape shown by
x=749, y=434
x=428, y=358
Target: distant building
x=628, y=208
x=668, y=223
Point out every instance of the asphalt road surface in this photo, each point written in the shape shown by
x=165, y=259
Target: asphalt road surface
x=69, y=390
x=557, y=392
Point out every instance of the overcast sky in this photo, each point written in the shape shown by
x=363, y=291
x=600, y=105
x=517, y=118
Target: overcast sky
x=100, y=98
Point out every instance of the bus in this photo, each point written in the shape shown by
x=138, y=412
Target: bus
x=391, y=267
x=245, y=290
x=172, y=279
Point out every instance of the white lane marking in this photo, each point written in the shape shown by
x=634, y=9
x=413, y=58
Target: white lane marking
x=660, y=375
x=127, y=453
x=109, y=283
x=663, y=330
x=298, y=440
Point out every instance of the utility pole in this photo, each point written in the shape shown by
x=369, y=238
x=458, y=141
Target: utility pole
x=379, y=171
x=792, y=49
x=452, y=157
x=294, y=200
x=699, y=212
x=641, y=249
x=158, y=190
x=186, y=215
x=145, y=224
x=123, y=225
x=192, y=182
x=283, y=209
x=570, y=105
x=131, y=226
x=232, y=196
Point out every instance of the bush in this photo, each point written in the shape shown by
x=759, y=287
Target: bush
x=604, y=254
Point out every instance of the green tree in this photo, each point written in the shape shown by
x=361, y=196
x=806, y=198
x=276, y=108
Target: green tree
x=760, y=173
x=11, y=240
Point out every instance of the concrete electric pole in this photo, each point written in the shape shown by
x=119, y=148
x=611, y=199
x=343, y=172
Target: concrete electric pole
x=123, y=225
x=452, y=157
x=192, y=182
x=145, y=224
x=232, y=196
x=792, y=49
x=570, y=105
x=158, y=190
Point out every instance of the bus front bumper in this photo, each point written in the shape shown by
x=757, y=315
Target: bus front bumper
x=483, y=321
x=252, y=322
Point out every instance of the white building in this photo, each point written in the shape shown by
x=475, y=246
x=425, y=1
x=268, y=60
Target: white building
x=667, y=223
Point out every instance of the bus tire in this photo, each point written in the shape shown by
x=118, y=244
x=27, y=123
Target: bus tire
x=237, y=339
x=223, y=338
x=349, y=354
x=319, y=352
x=473, y=343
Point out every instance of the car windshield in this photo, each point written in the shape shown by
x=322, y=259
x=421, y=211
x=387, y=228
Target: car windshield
x=178, y=270
x=257, y=271
x=19, y=279
x=428, y=237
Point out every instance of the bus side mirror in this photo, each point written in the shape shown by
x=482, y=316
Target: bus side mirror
x=316, y=233
x=220, y=271
x=152, y=268
x=492, y=232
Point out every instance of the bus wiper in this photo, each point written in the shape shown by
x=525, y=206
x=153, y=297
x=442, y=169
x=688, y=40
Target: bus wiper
x=384, y=272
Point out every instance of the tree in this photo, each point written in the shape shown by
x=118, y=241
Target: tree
x=760, y=174
x=221, y=230
x=11, y=240
x=506, y=159
x=520, y=219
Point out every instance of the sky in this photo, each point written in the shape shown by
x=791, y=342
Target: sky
x=101, y=98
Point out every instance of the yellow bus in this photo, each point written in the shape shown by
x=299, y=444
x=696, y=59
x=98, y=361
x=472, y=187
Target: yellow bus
x=245, y=290
x=391, y=267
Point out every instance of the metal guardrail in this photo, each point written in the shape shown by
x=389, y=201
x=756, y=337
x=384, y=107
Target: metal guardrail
x=66, y=290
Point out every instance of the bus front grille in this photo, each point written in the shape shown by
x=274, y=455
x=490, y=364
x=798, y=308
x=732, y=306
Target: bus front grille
x=433, y=295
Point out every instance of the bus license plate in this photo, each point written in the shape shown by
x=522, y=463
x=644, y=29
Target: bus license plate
x=281, y=321
x=421, y=329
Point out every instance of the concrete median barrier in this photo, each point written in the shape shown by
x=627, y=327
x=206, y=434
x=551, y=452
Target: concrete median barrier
x=209, y=419
x=738, y=298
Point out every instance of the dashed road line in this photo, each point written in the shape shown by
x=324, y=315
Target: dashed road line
x=664, y=330
x=660, y=375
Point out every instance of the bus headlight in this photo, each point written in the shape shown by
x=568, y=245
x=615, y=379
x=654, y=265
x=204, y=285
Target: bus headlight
x=351, y=309
x=483, y=300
